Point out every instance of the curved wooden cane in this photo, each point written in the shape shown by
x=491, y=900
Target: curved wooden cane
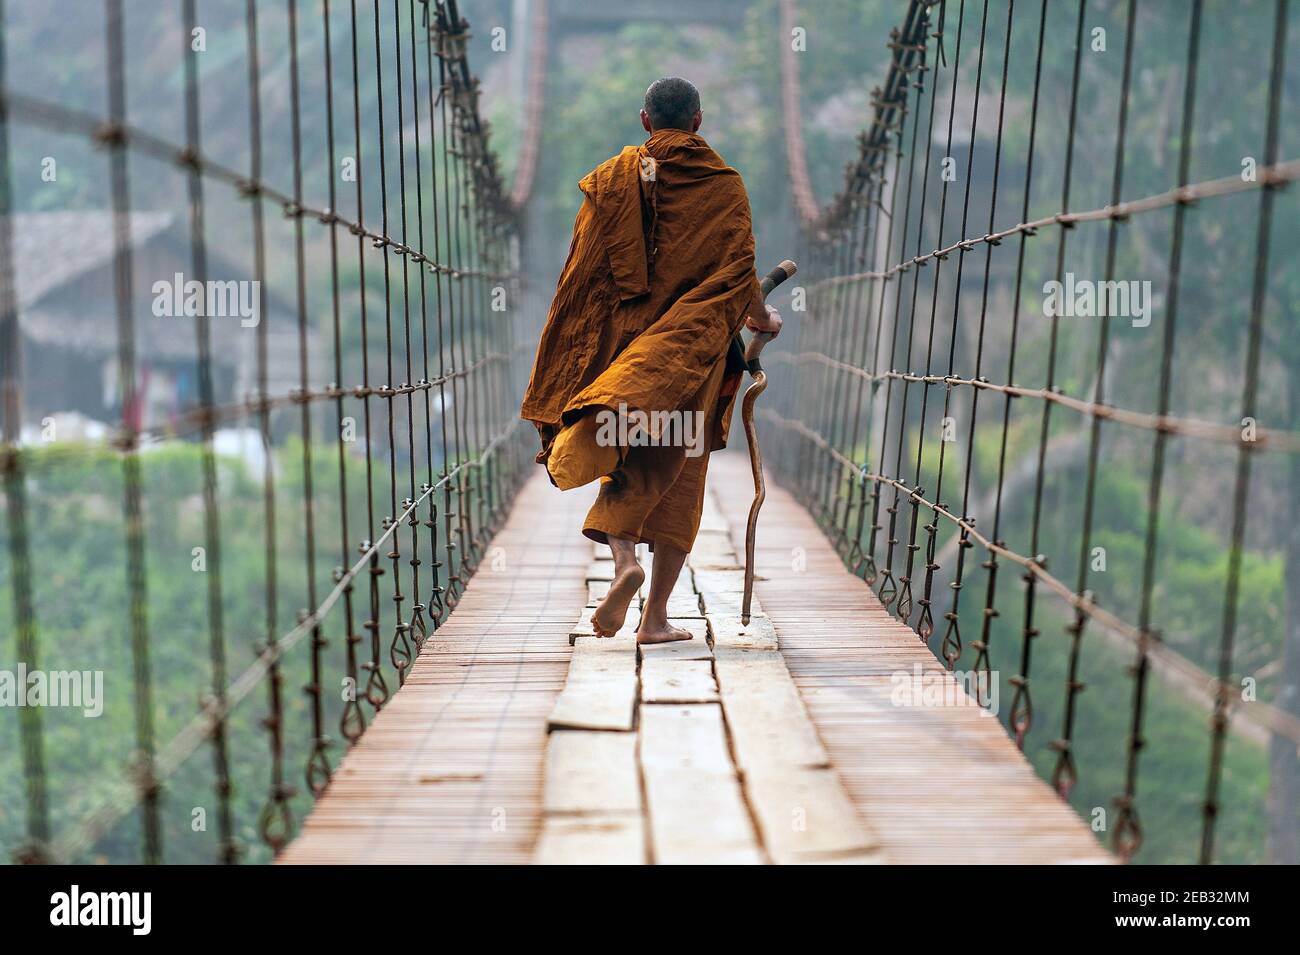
x=752, y=352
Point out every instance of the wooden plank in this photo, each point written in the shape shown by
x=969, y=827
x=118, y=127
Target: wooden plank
x=718, y=562
x=728, y=631
x=596, y=591
x=697, y=814
x=712, y=517
x=684, y=738
x=728, y=601
x=769, y=726
x=802, y=810
x=722, y=581
x=699, y=819
x=712, y=550
x=684, y=605
x=602, y=838
x=583, y=627
x=601, y=688
x=712, y=539
x=591, y=772
x=600, y=570
x=804, y=815
x=697, y=648
x=674, y=680
x=685, y=585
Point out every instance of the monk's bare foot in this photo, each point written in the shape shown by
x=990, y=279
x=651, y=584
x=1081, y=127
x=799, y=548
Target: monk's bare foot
x=661, y=633
x=609, y=616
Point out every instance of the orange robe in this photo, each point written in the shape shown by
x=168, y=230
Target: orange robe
x=660, y=276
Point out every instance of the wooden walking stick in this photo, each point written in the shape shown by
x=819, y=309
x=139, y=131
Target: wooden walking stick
x=752, y=351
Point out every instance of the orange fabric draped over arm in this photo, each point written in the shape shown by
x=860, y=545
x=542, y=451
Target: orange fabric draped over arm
x=659, y=277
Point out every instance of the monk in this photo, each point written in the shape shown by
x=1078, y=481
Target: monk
x=634, y=380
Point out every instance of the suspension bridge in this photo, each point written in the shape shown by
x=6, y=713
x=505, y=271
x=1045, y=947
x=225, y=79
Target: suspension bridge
x=940, y=452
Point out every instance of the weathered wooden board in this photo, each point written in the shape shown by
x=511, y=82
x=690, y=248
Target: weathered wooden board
x=675, y=680
x=697, y=648
x=712, y=517
x=595, y=839
x=723, y=581
x=804, y=815
x=683, y=605
x=684, y=737
x=728, y=631
x=591, y=772
x=583, y=627
x=685, y=585
x=728, y=602
x=696, y=810
x=713, y=551
x=600, y=690
x=596, y=591
x=712, y=539
x=769, y=726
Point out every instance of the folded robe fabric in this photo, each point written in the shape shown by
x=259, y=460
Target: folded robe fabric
x=659, y=277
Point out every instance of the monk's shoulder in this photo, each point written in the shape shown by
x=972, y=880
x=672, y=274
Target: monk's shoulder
x=628, y=156
x=719, y=173
x=726, y=188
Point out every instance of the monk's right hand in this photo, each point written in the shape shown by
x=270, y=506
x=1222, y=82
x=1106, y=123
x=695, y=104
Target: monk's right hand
x=770, y=322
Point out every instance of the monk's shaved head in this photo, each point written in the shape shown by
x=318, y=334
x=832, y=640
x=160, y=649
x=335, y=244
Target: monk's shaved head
x=671, y=103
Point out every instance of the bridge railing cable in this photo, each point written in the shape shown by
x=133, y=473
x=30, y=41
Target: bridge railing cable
x=399, y=246
x=918, y=311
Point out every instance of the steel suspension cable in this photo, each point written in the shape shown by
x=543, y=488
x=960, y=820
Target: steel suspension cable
x=227, y=849
x=1063, y=774
x=1021, y=710
x=950, y=646
x=903, y=591
x=352, y=721
x=26, y=633
x=129, y=400
x=981, y=645
x=925, y=621
x=275, y=820
x=887, y=586
x=1076, y=628
x=1241, y=479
